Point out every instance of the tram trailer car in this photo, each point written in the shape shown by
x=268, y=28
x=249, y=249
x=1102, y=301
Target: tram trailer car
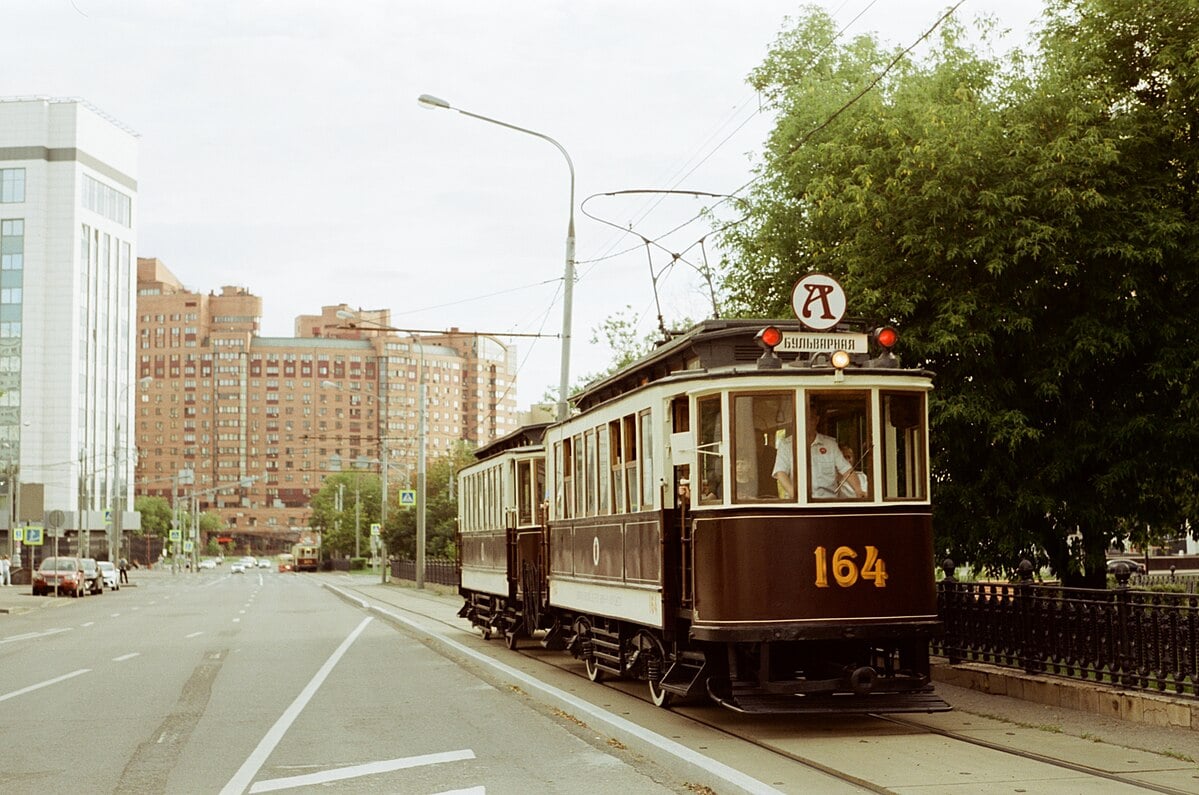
x=673, y=530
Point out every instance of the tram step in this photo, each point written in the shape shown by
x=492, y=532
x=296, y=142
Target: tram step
x=845, y=704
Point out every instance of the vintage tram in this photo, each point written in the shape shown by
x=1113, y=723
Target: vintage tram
x=723, y=518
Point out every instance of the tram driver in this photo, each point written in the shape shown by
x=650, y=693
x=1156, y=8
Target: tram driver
x=829, y=469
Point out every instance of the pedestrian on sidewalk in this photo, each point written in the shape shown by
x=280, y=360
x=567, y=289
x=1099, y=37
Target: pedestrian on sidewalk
x=124, y=567
x=5, y=571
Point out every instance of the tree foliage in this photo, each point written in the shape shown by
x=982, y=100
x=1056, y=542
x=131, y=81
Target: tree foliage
x=360, y=493
x=156, y=515
x=1029, y=221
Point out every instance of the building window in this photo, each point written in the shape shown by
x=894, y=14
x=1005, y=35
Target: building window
x=12, y=185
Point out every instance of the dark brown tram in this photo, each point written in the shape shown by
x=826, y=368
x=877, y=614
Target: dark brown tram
x=722, y=519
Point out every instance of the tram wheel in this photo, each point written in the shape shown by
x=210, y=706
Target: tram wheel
x=511, y=636
x=653, y=658
x=594, y=672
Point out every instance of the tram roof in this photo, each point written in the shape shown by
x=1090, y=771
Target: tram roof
x=530, y=436
x=711, y=345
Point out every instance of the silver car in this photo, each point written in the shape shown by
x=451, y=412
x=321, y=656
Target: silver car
x=110, y=574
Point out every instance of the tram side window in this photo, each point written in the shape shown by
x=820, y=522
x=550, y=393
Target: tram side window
x=709, y=449
x=589, y=472
x=758, y=423
x=580, y=471
x=603, y=467
x=566, y=484
x=647, y=460
x=615, y=470
x=539, y=492
x=631, y=485
x=905, y=468
x=839, y=445
x=524, y=492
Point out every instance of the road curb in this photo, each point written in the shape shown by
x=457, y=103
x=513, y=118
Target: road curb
x=1151, y=709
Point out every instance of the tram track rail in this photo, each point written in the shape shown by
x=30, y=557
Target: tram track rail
x=562, y=663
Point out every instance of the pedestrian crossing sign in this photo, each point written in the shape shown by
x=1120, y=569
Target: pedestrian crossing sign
x=375, y=528
x=33, y=536
x=408, y=497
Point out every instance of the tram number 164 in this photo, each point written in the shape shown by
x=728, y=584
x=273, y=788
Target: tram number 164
x=845, y=569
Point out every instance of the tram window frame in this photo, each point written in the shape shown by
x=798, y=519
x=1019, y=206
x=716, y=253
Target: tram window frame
x=756, y=418
x=904, y=464
x=632, y=486
x=603, y=468
x=565, y=477
x=646, y=421
x=589, y=466
x=540, y=494
x=524, y=492
x=709, y=448
x=615, y=469
x=580, y=471
x=850, y=426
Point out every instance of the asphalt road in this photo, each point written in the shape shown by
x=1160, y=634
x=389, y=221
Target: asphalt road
x=264, y=681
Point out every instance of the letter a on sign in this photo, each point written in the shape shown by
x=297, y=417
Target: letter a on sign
x=819, y=301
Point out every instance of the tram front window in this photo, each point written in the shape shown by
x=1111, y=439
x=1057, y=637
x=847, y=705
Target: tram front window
x=840, y=453
x=759, y=420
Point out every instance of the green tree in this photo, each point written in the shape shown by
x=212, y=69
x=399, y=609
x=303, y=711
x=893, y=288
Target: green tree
x=156, y=515
x=441, y=517
x=359, y=496
x=1030, y=224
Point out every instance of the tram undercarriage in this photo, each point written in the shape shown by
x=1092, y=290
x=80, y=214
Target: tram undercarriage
x=792, y=676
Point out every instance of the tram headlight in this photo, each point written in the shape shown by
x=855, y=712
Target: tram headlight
x=769, y=338
x=840, y=359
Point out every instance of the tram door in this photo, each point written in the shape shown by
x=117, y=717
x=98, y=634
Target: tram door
x=529, y=559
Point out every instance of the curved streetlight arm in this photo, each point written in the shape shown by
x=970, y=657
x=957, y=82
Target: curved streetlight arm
x=433, y=103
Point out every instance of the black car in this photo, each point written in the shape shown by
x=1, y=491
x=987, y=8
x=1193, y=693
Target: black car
x=1133, y=566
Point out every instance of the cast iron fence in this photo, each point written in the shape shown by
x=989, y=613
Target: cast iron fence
x=1133, y=639
x=442, y=571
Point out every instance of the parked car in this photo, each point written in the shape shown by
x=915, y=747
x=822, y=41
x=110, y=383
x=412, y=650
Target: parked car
x=112, y=578
x=92, y=576
x=1133, y=566
x=63, y=575
x=208, y=563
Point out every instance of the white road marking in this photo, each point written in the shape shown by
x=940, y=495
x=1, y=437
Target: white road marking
x=88, y=624
x=354, y=771
x=47, y=683
x=471, y=791
x=124, y=657
x=236, y=620
x=194, y=635
x=245, y=774
x=719, y=769
x=32, y=635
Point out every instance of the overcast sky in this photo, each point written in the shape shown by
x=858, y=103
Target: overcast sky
x=282, y=148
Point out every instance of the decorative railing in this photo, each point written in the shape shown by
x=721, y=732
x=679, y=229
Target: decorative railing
x=442, y=571
x=1129, y=638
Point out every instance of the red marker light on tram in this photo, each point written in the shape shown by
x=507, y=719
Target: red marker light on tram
x=886, y=336
x=768, y=338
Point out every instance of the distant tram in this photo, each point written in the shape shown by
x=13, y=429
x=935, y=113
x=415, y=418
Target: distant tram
x=725, y=518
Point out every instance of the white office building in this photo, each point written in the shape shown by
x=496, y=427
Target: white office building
x=68, y=282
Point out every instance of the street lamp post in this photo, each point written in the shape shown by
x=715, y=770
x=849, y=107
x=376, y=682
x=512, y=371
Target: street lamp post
x=431, y=102
x=117, y=504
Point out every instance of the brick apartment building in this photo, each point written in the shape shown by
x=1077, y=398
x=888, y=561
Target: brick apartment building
x=260, y=422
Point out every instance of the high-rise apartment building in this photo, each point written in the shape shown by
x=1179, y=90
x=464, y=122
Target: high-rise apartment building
x=258, y=423
x=68, y=231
